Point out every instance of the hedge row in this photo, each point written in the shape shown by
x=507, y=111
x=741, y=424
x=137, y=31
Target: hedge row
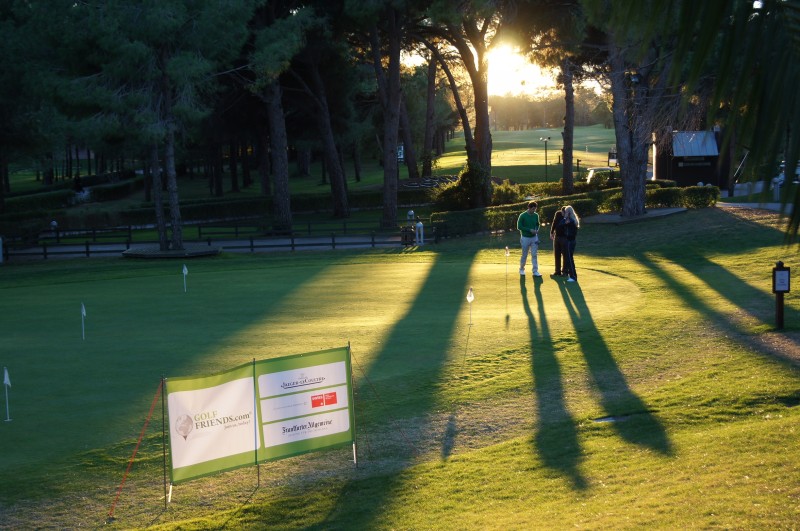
x=689, y=197
x=116, y=190
x=45, y=206
x=504, y=218
x=33, y=213
x=580, y=187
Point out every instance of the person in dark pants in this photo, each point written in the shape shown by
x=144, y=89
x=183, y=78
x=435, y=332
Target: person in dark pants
x=571, y=223
x=559, y=241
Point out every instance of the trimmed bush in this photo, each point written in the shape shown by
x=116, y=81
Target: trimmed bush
x=505, y=193
x=664, y=183
x=612, y=203
x=117, y=190
x=505, y=217
x=538, y=190
x=42, y=201
x=663, y=198
x=465, y=192
x=700, y=196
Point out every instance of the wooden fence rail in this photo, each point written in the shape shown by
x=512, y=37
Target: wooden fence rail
x=19, y=251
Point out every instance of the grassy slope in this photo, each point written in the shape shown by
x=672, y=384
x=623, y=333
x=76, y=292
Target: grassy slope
x=483, y=426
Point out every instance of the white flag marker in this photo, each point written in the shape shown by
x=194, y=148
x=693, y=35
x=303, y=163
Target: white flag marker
x=83, y=321
x=185, y=272
x=470, y=298
x=6, y=384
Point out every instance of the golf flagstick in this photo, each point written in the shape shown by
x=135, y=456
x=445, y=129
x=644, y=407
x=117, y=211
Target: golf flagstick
x=470, y=298
x=185, y=272
x=507, y=253
x=83, y=321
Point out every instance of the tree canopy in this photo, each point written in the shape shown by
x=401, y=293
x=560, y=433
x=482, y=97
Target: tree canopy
x=161, y=79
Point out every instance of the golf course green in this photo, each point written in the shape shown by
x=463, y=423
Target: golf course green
x=655, y=392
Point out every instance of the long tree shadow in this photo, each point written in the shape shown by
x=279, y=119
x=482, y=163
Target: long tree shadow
x=556, y=439
x=733, y=234
x=725, y=283
x=628, y=413
x=407, y=382
x=728, y=286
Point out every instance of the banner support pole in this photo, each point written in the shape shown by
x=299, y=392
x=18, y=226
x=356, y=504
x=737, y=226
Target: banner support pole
x=353, y=402
x=255, y=426
x=164, y=440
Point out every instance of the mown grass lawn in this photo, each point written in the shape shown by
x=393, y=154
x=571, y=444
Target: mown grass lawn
x=655, y=392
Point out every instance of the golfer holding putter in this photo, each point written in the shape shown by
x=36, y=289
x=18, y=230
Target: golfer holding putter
x=528, y=226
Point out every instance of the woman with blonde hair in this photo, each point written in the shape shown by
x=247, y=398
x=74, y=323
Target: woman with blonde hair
x=571, y=224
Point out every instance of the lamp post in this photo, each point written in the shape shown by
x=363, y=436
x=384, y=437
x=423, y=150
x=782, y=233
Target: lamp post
x=545, y=139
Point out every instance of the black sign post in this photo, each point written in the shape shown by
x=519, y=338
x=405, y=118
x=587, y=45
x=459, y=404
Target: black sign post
x=781, y=283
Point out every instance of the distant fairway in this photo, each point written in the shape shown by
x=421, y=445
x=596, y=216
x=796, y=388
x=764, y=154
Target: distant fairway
x=517, y=155
x=520, y=156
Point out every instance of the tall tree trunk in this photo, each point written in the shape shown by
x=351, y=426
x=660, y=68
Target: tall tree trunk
x=281, y=199
x=440, y=141
x=631, y=169
x=158, y=199
x=410, y=153
x=218, y=171
x=68, y=163
x=147, y=180
x=247, y=179
x=469, y=140
x=483, y=133
x=357, y=161
x=263, y=160
x=330, y=151
x=77, y=161
x=4, y=178
x=172, y=190
x=390, y=95
x=233, y=164
x=430, y=117
x=49, y=171
x=304, y=161
x=569, y=127
x=469, y=40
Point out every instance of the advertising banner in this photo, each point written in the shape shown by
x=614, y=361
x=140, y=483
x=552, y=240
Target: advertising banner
x=266, y=410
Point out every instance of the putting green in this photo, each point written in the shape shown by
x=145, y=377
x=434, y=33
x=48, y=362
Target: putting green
x=417, y=313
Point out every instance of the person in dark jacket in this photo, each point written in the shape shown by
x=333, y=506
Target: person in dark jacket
x=559, y=241
x=571, y=223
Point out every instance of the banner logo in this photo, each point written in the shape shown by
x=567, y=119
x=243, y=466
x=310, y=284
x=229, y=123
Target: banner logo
x=184, y=426
x=303, y=381
x=325, y=399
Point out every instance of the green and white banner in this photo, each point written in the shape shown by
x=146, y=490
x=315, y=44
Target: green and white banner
x=264, y=410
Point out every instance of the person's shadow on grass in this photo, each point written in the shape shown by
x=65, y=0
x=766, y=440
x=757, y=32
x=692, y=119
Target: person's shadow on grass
x=625, y=410
x=556, y=437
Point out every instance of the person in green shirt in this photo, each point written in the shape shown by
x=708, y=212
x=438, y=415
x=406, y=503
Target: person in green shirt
x=528, y=226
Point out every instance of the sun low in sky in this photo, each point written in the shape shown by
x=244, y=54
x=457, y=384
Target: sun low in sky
x=511, y=74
